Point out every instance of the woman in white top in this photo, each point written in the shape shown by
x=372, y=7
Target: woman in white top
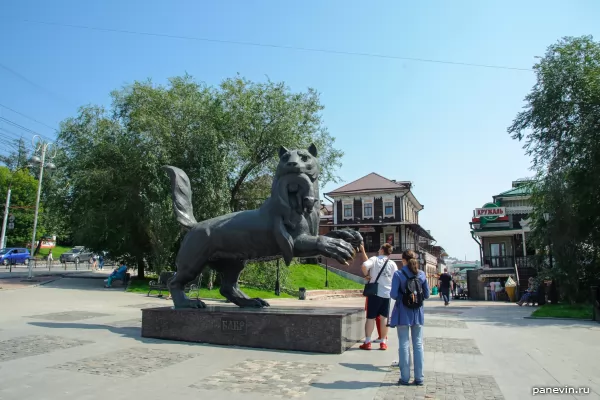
x=378, y=305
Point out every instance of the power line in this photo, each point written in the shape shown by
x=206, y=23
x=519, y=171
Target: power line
x=256, y=44
x=28, y=117
x=8, y=121
x=12, y=71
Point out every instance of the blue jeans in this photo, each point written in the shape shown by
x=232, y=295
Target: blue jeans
x=446, y=295
x=416, y=333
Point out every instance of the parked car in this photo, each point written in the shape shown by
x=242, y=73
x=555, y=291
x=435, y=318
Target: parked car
x=77, y=254
x=17, y=255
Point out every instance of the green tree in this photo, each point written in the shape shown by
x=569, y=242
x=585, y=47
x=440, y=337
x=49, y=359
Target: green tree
x=256, y=119
x=22, y=204
x=110, y=185
x=560, y=126
x=16, y=159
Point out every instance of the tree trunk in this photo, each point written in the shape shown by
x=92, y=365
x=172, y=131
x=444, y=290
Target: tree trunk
x=141, y=266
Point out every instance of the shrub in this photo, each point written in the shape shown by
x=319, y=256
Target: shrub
x=263, y=275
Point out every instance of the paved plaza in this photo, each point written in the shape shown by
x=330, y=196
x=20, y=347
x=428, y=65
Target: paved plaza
x=72, y=339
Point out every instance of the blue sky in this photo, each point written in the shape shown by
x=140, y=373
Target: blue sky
x=441, y=126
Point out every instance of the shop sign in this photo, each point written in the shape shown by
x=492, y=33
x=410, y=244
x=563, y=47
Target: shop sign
x=490, y=212
x=366, y=229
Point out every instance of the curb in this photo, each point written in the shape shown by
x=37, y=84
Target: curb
x=560, y=319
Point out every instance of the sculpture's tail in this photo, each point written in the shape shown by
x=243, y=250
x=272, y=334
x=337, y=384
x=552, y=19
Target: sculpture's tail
x=181, y=192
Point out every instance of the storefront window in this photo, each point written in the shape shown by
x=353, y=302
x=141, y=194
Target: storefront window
x=368, y=211
x=389, y=208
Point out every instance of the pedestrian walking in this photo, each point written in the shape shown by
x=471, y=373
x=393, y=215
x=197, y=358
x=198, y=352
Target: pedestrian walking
x=409, y=288
x=445, y=280
x=379, y=270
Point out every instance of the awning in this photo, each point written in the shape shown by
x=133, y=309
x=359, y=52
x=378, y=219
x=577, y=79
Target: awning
x=482, y=277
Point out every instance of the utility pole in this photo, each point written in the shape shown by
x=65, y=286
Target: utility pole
x=43, y=147
x=5, y=220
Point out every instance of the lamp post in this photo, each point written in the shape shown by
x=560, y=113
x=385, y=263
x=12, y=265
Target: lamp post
x=553, y=295
x=277, y=284
x=326, y=273
x=46, y=150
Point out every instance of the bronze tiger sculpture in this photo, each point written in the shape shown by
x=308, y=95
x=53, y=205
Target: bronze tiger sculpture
x=286, y=225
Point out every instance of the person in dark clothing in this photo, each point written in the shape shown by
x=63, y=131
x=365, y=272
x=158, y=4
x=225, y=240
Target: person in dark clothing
x=445, y=280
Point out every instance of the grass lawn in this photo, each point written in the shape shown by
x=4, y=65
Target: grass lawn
x=141, y=286
x=575, y=311
x=312, y=277
x=56, y=251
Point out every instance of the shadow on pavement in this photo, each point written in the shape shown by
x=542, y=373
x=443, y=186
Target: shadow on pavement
x=365, y=367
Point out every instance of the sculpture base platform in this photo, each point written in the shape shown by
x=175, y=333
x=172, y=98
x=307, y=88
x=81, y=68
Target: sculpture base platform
x=317, y=330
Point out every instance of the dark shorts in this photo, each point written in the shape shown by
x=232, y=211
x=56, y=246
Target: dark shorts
x=377, y=306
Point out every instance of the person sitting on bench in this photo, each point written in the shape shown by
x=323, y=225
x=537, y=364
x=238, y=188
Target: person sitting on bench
x=117, y=274
x=528, y=293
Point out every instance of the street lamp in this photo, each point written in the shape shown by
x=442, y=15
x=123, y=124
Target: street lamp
x=46, y=150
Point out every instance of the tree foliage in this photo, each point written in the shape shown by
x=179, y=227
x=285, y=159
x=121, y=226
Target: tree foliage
x=560, y=127
x=110, y=185
x=22, y=205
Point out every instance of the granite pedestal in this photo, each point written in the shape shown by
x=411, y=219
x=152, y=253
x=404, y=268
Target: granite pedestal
x=317, y=330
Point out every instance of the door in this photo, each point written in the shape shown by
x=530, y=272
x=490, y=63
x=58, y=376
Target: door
x=13, y=256
x=498, y=254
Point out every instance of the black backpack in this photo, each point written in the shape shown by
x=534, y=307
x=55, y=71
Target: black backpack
x=413, y=294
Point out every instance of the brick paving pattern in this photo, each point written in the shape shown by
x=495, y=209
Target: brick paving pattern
x=34, y=345
x=281, y=379
x=68, y=316
x=441, y=386
x=451, y=345
x=445, y=323
x=128, y=363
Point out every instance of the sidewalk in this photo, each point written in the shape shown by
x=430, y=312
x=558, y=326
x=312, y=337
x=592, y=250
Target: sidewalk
x=65, y=341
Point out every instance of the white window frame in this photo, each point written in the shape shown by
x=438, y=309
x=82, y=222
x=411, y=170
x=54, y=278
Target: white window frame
x=344, y=204
x=372, y=203
x=389, y=200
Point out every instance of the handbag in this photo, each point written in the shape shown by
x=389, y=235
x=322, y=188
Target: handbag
x=371, y=288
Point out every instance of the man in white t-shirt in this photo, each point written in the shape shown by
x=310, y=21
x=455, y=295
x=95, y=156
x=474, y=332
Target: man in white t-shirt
x=378, y=305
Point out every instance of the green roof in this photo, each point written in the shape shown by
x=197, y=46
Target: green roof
x=518, y=191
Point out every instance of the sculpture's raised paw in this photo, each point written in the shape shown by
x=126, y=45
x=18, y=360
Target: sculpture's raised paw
x=338, y=249
x=252, y=303
x=349, y=235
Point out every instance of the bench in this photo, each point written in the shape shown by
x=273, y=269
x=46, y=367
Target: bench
x=162, y=284
x=124, y=280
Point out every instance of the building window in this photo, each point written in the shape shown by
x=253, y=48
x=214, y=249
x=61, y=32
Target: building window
x=347, y=210
x=368, y=210
x=388, y=208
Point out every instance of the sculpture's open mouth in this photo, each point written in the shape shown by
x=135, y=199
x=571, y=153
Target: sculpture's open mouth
x=299, y=194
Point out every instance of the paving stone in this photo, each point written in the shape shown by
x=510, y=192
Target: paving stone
x=128, y=323
x=441, y=386
x=34, y=345
x=451, y=345
x=281, y=379
x=445, y=323
x=68, y=316
x=130, y=363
